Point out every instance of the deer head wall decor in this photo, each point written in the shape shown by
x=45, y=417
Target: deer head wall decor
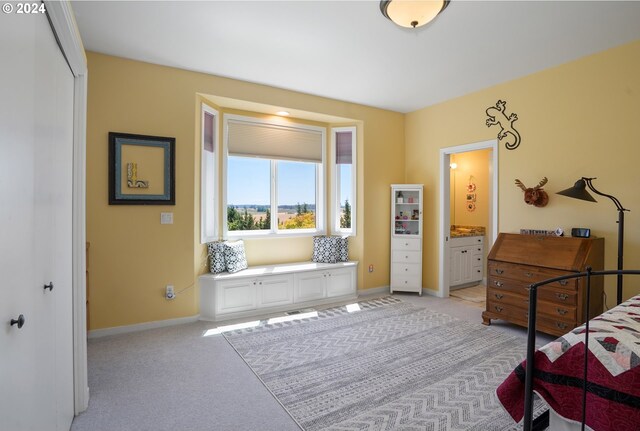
x=535, y=196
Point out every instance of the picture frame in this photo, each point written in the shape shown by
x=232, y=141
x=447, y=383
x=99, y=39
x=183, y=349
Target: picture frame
x=471, y=197
x=141, y=169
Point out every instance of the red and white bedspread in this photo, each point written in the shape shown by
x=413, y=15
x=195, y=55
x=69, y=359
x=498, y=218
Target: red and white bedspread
x=613, y=389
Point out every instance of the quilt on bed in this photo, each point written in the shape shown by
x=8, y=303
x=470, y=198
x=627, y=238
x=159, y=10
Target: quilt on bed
x=613, y=381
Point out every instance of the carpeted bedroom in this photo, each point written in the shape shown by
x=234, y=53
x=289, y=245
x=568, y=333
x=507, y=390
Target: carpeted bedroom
x=389, y=362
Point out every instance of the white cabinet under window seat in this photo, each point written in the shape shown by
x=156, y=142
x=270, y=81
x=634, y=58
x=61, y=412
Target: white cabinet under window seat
x=271, y=288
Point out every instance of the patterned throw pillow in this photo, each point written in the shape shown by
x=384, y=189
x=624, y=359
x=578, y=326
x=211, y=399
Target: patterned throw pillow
x=216, y=257
x=325, y=249
x=344, y=249
x=235, y=256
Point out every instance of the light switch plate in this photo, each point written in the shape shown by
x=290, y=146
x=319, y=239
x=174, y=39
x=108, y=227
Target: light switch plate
x=166, y=218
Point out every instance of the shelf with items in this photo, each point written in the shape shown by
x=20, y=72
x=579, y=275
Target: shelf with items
x=406, y=238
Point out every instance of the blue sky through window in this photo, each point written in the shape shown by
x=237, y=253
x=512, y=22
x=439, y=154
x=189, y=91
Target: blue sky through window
x=248, y=182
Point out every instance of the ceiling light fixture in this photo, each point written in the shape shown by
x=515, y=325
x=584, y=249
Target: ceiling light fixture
x=412, y=13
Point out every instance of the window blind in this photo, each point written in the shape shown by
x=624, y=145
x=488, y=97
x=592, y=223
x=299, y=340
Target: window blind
x=343, y=148
x=208, y=132
x=273, y=141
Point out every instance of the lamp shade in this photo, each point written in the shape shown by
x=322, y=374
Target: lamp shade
x=412, y=13
x=578, y=191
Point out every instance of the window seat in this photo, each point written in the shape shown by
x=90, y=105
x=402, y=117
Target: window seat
x=269, y=288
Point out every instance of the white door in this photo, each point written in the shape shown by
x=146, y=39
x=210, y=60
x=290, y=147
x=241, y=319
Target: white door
x=36, y=124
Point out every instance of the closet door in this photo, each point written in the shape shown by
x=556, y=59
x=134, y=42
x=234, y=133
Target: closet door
x=36, y=123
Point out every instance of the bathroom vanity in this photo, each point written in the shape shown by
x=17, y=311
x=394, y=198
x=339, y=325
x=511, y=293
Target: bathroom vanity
x=466, y=253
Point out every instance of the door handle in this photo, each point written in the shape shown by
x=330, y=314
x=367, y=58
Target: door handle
x=19, y=321
x=49, y=286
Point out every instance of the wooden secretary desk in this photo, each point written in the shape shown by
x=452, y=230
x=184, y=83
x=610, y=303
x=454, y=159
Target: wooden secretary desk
x=516, y=261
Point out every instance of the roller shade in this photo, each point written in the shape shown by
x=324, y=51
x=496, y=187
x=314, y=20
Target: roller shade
x=273, y=141
x=344, y=148
x=208, y=132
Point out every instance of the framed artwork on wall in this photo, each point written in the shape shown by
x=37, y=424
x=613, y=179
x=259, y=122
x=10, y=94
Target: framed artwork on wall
x=141, y=169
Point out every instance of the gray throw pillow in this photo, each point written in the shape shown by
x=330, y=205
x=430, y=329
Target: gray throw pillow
x=235, y=256
x=325, y=249
x=343, y=255
x=216, y=257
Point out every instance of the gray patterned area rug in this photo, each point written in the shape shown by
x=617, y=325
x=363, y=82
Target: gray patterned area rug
x=389, y=366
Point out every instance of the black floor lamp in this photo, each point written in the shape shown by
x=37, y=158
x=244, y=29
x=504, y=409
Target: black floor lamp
x=579, y=191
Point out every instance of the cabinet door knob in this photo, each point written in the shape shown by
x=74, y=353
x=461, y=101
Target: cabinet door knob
x=499, y=271
x=407, y=244
x=497, y=283
x=562, y=296
x=406, y=269
x=19, y=321
x=49, y=286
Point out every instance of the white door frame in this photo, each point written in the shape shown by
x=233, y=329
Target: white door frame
x=64, y=26
x=445, y=205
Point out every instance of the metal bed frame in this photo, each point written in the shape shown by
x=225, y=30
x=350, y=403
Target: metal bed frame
x=529, y=423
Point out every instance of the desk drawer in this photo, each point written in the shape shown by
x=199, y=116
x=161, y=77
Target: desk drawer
x=530, y=274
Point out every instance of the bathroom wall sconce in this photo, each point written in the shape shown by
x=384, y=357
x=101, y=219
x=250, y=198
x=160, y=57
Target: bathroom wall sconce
x=412, y=13
x=453, y=165
x=579, y=191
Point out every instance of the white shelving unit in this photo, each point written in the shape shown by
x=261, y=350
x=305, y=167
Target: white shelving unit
x=406, y=238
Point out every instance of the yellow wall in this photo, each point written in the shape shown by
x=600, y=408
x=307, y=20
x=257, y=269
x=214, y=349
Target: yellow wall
x=472, y=166
x=575, y=120
x=133, y=257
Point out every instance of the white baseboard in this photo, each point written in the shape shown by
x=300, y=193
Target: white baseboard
x=431, y=292
x=373, y=291
x=97, y=333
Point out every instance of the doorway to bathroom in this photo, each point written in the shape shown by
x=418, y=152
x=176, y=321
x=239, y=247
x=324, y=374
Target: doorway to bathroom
x=468, y=213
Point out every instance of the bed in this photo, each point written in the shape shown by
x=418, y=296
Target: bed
x=610, y=400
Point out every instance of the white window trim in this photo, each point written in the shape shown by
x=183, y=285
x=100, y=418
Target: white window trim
x=321, y=198
x=335, y=213
x=208, y=191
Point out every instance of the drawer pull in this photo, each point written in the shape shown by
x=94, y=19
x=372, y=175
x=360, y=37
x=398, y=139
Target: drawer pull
x=497, y=283
x=563, y=282
x=562, y=311
x=498, y=309
x=499, y=271
x=562, y=296
x=407, y=244
x=528, y=274
x=499, y=295
x=561, y=325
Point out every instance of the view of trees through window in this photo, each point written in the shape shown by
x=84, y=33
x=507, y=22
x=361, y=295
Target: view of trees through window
x=249, y=194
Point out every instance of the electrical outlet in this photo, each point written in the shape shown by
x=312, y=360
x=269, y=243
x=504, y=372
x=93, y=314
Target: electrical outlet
x=170, y=294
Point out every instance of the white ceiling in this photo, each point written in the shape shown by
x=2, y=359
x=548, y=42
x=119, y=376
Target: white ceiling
x=347, y=50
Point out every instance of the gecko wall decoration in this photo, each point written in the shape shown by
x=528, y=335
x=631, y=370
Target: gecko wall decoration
x=497, y=115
